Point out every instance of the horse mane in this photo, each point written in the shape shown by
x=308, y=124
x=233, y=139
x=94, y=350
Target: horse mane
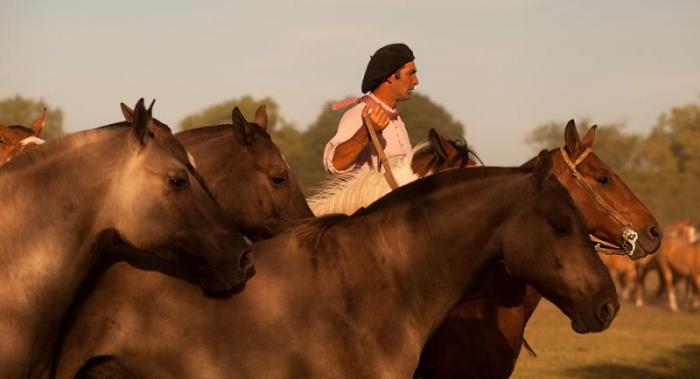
x=347, y=191
x=311, y=230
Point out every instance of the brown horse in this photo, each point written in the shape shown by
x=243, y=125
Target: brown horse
x=325, y=303
x=115, y=184
x=482, y=336
x=240, y=161
x=15, y=139
x=679, y=255
x=243, y=152
x=626, y=275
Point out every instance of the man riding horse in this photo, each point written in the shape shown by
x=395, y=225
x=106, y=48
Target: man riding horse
x=390, y=77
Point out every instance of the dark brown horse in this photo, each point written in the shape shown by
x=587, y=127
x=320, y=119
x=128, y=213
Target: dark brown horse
x=325, y=303
x=15, y=139
x=482, y=336
x=246, y=173
x=115, y=184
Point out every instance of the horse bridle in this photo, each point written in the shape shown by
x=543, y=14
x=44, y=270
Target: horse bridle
x=629, y=236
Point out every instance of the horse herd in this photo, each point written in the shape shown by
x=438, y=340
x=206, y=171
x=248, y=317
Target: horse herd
x=131, y=252
x=678, y=260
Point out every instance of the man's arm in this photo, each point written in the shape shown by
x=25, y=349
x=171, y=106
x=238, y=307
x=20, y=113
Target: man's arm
x=346, y=153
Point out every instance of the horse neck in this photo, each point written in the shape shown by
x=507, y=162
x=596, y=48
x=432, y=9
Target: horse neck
x=430, y=247
x=55, y=192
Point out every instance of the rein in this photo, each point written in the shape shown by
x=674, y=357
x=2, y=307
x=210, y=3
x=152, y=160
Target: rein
x=629, y=236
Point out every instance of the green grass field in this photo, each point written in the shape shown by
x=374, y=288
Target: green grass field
x=647, y=343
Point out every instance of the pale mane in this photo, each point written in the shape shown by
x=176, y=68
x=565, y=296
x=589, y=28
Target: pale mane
x=346, y=193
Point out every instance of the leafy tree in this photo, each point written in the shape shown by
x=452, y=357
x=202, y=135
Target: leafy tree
x=22, y=111
x=672, y=164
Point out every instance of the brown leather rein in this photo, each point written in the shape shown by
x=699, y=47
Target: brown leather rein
x=629, y=236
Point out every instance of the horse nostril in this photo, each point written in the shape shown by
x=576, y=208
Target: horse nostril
x=606, y=313
x=654, y=232
x=245, y=263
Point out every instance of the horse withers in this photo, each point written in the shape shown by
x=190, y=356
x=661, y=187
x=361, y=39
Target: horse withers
x=111, y=185
x=325, y=303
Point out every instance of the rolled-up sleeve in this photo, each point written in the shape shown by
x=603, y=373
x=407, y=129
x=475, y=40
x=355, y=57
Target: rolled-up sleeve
x=347, y=127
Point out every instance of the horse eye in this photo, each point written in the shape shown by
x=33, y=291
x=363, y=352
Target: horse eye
x=178, y=181
x=279, y=180
x=602, y=179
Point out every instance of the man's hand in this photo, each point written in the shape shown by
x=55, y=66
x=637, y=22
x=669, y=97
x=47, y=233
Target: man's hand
x=374, y=116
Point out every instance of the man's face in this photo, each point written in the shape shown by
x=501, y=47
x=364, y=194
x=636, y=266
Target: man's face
x=402, y=87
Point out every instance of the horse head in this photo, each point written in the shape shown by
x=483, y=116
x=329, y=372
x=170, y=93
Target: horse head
x=441, y=154
x=243, y=152
x=15, y=139
x=614, y=216
x=158, y=202
x=548, y=246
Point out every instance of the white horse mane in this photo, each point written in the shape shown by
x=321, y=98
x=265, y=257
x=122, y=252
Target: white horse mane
x=346, y=193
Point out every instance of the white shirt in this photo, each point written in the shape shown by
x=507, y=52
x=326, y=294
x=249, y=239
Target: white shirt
x=394, y=140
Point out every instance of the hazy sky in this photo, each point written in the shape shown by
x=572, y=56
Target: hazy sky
x=501, y=68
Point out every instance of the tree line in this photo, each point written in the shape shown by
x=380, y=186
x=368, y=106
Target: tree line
x=662, y=168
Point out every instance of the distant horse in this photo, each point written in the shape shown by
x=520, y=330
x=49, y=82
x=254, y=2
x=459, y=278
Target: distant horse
x=355, y=296
x=679, y=255
x=115, y=184
x=483, y=335
x=15, y=139
x=626, y=275
x=246, y=173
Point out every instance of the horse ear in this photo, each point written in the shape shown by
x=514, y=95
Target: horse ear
x=543, y=169
x=436, y=144
x=141, y=121
x=240, y=126
x=39, y=123
x=441, y=146
x=261, y=116
x=128, y=113
x=587, y=141
x=573, y=142
x=150, y=108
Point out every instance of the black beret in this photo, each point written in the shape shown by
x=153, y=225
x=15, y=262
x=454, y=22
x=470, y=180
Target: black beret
x=385, y=62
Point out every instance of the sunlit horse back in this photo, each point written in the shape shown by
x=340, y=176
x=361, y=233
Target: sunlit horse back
x=112, y=185
x=16, y=139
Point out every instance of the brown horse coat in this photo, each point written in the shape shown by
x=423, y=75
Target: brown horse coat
x=349, y=296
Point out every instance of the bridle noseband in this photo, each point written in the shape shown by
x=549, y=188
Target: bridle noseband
x=629, y=236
